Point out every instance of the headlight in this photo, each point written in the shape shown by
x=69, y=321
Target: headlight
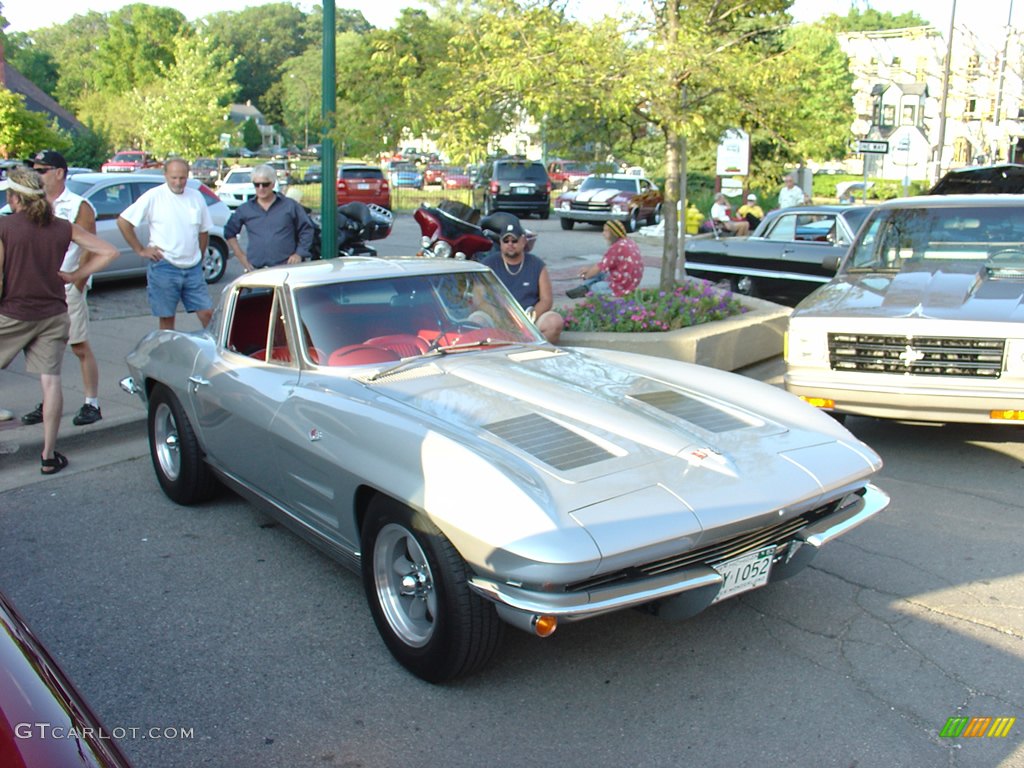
x=618, y=208
x=1015, y=356
x=425, y=242
x=442, y=250
x=805, y=346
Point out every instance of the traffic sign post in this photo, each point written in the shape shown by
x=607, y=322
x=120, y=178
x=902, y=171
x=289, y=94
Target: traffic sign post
x=866, y=147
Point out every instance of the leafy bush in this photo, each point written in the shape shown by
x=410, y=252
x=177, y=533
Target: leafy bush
x=651, y=309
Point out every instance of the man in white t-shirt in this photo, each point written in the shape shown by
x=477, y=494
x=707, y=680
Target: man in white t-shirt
x=53, y=168
x=179, y=231
x=790, y=194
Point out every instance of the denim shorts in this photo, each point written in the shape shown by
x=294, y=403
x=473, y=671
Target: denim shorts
x=168, y=284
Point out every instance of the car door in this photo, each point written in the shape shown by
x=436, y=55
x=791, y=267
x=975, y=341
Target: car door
x=235, y=394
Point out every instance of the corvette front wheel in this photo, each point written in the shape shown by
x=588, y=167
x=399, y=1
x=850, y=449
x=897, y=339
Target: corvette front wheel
x=415, y=582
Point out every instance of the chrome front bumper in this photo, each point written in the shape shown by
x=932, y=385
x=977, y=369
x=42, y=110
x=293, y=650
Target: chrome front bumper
x=516, y=604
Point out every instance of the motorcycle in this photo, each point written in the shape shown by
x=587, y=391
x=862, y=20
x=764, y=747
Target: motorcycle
x=357, y=223
x=451, y=230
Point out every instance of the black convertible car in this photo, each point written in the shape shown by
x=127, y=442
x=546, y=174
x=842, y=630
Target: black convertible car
x=792, y=252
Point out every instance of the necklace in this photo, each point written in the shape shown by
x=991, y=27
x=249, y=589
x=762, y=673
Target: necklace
x=509, y=270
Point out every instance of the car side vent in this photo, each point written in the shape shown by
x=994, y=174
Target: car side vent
x=697, y=412
x=549, y=442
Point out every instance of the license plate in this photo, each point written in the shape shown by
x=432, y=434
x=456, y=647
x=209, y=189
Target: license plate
x=523, y=190
x=362, y=186
x=744, y=573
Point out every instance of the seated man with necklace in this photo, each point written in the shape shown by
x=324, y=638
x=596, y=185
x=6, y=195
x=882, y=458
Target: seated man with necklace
x=524, y=274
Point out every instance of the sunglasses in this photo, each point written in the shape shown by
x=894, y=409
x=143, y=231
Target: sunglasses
x=263, y=183
x=40, y=169
x=510, y=239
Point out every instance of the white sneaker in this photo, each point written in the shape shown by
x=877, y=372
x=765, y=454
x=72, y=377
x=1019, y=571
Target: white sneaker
x=6, y=415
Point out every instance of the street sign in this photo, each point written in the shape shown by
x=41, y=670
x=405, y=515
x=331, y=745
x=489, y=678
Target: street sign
x=872, y=147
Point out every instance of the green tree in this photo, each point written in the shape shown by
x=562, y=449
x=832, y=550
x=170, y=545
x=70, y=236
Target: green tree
x=89, y=149
x=183, y=111
x=138, y=47
x=251, y=136
x=22, y=131
x=73, y=46
x=37, y=65
x=261, y=39
x=870, y=20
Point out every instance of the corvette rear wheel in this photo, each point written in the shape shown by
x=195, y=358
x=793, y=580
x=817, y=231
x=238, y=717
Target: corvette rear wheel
x=174, y=449
x=415, y=582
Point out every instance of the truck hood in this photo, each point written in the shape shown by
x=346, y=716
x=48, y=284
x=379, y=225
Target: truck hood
x=953, y=291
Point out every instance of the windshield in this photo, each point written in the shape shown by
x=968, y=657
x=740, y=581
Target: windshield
x=238, y=177
x=377, y=321
x=901, y=238
x=606, y=182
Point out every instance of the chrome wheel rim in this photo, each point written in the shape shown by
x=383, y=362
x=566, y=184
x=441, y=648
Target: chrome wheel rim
x=213, y=263
x=405, y=585
x=165, y=442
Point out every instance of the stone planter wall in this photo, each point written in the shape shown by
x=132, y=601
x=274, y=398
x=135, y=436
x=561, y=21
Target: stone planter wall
x=729, y=344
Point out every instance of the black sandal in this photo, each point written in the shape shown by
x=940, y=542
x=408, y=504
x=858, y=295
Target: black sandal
x=54, y=465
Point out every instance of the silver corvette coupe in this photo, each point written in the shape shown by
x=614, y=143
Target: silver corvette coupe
x=406, y=416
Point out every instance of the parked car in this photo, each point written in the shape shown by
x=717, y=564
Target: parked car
x=515, y=185
x=405, y=175
x=128, y=160
x=364, y=184
x=611, y=197
x=924, y=318
x=567, y=174
x=44, y=721
x=313, y=150
x=415, y=424
x=110, y=194
x=284, y=174
x=783, y=260
x=1002, y=179
x=455, y=178
x=433, y=175
x=313, y=174
x=207, y=169
x=236, y=187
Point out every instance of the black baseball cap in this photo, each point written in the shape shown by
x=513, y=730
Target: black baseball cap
x=51, y=158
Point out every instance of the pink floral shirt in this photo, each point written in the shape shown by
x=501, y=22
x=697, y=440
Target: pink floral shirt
x=624, y=266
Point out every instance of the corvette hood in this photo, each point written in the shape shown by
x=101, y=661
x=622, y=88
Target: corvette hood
x=603, y=439
x=955, y=292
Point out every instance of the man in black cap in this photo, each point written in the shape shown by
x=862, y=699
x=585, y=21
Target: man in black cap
x=53, y=169
x=525, y=275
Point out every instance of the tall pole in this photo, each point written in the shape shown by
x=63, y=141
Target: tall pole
x=329, y=169
x=1002, y=70
x=945, y=97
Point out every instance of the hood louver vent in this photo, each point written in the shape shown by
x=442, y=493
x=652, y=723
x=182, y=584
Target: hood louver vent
x=549, y=442
x=695, y=412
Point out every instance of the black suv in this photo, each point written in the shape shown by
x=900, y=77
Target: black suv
x=515, y=185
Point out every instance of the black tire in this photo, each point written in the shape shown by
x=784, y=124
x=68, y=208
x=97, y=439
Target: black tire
x=174, y=449
x=567, y=223
x=655, y=218
x=415, y=583
x=215, y=260
x=544, y=213
x=633, y=223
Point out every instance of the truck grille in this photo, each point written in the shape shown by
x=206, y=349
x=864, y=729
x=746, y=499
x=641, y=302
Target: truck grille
x=916, y=355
